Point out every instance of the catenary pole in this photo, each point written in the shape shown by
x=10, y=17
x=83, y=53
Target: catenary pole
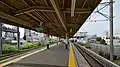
x=111, y=30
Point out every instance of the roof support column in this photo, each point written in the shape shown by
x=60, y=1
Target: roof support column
x=47, y=40
x=66, y=45
x=58, y=40
x=0, y=37
x=18, y=38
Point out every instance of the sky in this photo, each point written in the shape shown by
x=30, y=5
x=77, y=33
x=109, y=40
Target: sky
x=100, y=27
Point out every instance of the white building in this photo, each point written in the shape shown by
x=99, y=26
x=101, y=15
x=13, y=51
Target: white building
x=116, y=38
x=81, y=37
x=34, y=36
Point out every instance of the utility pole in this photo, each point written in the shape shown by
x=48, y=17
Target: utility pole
x=111, y=30
x=18, y=38
x=0, y=37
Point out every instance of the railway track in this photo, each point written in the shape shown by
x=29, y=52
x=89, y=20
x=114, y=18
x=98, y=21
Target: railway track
x=13, y=55
x=8, y=55
x=92, y=61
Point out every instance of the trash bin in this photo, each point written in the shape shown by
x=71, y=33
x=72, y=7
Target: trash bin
x=66, y=46
x=47, y=46
x=0, y=52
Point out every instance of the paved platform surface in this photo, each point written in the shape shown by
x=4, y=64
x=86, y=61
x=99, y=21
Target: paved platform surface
x=56, y=56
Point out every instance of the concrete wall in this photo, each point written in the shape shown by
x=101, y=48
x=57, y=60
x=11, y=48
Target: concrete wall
x=105, y=48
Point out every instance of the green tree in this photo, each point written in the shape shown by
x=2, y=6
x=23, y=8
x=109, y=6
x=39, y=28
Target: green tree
x=102, y=41
x=98, y=38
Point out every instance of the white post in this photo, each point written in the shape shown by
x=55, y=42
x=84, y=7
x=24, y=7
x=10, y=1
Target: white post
x=66, y=45
x=18, y=38
x=47, y=40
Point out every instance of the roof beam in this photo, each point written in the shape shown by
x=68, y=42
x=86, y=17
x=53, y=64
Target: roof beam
x=57, y=21
x=46, y=2
x=31, y=15
x=78, y=10
x=57, y=10
x=52, y=13
x=14, y=19
x=44, y=14
x=34, y=17
x=84, y=3
x=50, y=9
x=42, y=11
x=73, y=7
x=7, y=5
x=82, y=7
x=33, y=8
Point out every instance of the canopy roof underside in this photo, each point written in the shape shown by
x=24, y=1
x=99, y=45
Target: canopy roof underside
x=57, y=17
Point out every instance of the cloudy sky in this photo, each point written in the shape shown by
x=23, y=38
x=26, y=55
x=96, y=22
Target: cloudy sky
x=100, y=27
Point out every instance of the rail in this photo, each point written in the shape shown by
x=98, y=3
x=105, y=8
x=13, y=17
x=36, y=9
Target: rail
x=102, y=60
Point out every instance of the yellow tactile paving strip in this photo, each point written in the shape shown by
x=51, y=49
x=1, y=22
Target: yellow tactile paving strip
x=71, y=62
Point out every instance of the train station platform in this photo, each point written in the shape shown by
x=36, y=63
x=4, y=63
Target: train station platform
x=56, y=56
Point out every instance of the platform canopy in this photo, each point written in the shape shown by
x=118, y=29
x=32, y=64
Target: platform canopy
x=56, y=17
